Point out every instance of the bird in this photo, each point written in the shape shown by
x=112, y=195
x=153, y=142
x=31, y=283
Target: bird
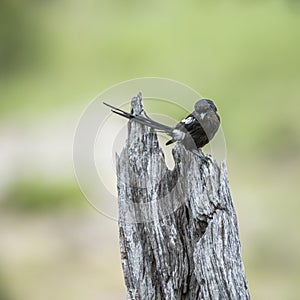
x=194, y=131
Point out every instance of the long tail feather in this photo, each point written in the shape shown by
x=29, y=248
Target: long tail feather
x=140, y=119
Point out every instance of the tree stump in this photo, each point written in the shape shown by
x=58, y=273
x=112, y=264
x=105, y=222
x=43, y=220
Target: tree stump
x=178, y=228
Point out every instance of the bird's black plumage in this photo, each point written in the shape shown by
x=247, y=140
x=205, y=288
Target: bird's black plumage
x=195, y=136
x=194, y=131
x=200, y=126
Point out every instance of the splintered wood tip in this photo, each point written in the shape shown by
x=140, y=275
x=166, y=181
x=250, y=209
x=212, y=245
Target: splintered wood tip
x=137, y=106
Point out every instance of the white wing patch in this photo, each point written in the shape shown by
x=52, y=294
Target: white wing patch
x=188, y=120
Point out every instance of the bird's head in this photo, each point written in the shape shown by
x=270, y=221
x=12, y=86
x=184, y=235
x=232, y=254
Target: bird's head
x=205, y=105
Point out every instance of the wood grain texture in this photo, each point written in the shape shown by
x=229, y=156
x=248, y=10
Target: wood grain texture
x=178, y=228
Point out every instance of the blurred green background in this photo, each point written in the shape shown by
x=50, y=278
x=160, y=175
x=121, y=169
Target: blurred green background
x=55, y=56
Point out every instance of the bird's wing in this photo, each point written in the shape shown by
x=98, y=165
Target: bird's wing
x=191, y=125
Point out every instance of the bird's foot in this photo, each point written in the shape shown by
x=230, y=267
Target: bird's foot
x=199, y=153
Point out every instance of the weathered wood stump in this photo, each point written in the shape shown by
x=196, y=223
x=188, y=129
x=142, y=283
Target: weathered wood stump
x=178, y=228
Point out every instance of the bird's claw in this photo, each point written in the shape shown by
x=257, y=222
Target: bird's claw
x=206, y=159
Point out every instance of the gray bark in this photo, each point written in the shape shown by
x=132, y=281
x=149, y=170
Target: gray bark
x=178, y=228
